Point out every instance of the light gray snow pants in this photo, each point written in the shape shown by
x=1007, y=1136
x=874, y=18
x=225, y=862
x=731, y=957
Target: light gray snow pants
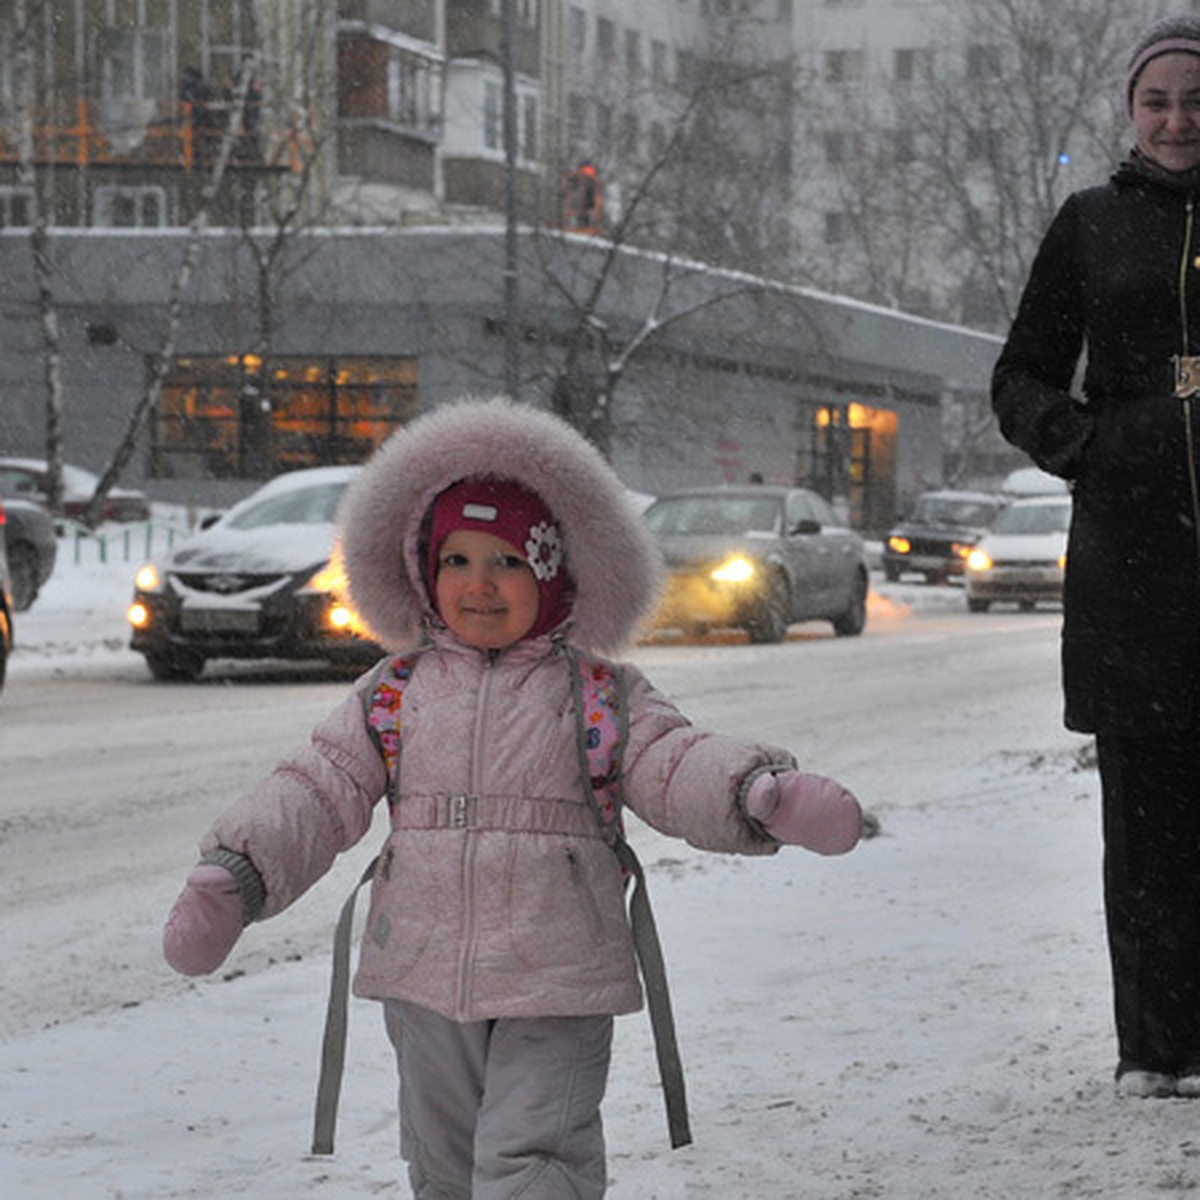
x=504, y=1109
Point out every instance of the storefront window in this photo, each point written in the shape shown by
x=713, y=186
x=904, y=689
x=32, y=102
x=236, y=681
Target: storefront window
x=240, y=418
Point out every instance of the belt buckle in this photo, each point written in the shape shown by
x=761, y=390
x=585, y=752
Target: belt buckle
x=461, y=814
x=1187, y=375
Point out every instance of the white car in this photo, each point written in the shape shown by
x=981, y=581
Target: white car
x=260, y=583
x=1023, y=558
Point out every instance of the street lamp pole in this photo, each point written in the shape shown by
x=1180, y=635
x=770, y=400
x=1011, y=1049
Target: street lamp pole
x=512, y=360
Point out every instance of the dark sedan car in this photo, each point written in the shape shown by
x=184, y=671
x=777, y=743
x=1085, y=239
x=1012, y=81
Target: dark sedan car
x=257, y=584
x=941, y=531
x=31, y=546
x=29, y=479
x=759, y=558
x=6, y=608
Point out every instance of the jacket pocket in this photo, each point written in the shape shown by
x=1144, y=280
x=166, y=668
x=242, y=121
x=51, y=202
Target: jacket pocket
x=566, y=902
x=400, y=919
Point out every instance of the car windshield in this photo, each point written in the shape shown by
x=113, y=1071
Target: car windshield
x=1034, y=518
x=714, y=514
x=314, y=505
x=947, y=510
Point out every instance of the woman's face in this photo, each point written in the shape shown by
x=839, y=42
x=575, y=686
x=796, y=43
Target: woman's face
x=485, y=590
x=1166, y=111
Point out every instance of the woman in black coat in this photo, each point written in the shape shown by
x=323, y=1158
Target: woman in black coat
x=1117, y=279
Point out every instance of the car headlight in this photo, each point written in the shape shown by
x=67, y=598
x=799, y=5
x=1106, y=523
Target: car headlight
x=979, y=560
x=899, y=545
x=734, y=570
x=330, y=581
x=961, y=549
x=138, y=615
x=148, y=579
x=329, y=578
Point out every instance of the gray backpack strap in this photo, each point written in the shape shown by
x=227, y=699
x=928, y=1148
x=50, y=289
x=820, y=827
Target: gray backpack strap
x=391, y=674
x=599, y=699
x=333, y=1046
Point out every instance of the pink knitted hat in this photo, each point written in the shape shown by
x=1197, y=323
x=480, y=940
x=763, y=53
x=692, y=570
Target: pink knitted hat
x=1169, y=35
x=518, y=516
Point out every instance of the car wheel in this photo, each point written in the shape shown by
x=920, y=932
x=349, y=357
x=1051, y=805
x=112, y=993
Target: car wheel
x=769, y=623
x=23, y=569
x=176, y=666
x=978, y=605
x=852, y=622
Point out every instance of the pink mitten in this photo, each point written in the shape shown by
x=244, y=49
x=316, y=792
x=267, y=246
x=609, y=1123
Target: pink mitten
x=205, y=921
x=806, y=810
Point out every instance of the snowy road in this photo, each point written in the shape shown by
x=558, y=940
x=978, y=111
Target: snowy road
x=927, y=1018
x=110, y=778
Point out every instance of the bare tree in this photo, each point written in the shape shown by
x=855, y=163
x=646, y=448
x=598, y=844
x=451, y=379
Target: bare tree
x=25, y=90
x=948, y=182
x=165, y=354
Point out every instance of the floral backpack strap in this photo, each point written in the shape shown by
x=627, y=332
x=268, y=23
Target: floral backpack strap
x=383, y=703
x=602, y=729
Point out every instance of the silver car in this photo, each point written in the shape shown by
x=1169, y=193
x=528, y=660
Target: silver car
x=760, y=558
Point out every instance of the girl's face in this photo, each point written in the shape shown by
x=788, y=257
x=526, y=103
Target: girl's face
x=485, y=590
x=1166, y=111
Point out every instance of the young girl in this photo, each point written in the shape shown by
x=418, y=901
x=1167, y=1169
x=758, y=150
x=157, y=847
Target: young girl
x=497, y=539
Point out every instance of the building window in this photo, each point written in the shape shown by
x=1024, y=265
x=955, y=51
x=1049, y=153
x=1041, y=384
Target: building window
x=529, y=128
x=631, y=136
x=16, y=208
x=492, y=102
x=984, y=145
x=414, y=92
x=132, y=64
x=604, y=126
x=844, y=66
x=984, y=61
x=843, y=145
x=216, y=420
x=835, y=228
x=577, y=31
x=117, y=207
x=606, y=39
x=576, y=119
x=658, y=64
x=633, y=54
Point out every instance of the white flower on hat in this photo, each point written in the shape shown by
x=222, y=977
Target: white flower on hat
x=544, y=549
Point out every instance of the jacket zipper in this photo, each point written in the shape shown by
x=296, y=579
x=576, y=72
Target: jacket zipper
x=1185, y=266
x=470, y=847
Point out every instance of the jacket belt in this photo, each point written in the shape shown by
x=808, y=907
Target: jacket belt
x=510, y=814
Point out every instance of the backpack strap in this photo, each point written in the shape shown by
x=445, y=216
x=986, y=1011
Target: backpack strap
x=381, y=705
x=602, y=730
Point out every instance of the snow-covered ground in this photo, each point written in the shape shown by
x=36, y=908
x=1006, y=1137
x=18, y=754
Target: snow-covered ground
x=926, y=1018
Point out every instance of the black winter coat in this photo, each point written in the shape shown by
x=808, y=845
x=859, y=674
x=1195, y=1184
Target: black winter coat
x=1117, y=277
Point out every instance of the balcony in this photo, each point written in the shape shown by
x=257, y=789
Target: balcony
x=159, y=134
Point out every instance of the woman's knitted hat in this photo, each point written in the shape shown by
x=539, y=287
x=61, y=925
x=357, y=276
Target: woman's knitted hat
x=1163, y=37
x=505, y=509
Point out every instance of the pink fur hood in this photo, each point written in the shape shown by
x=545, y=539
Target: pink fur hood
x=610, y=553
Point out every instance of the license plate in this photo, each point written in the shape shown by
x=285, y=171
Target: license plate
x=219, y=620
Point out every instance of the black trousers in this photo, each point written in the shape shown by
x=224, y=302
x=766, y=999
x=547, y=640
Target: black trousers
x=1151, y=813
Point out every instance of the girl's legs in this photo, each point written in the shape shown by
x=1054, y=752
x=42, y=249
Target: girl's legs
x=1151, y=801
x=496, y=1110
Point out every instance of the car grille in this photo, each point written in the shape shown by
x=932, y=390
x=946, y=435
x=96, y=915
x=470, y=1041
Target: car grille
x=228, y=583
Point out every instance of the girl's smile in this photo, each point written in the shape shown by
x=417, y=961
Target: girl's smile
x=485, y=590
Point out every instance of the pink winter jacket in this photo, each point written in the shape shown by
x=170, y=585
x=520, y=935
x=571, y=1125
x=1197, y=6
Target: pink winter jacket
x=507, y=902
x=495, y=895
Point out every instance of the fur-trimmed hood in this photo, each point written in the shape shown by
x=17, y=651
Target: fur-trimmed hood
x=610, y=553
